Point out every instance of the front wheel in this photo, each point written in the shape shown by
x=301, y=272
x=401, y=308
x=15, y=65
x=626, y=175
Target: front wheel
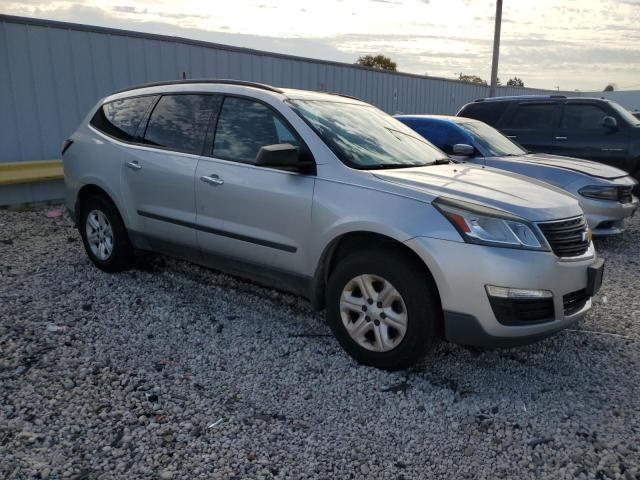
x=383, y=308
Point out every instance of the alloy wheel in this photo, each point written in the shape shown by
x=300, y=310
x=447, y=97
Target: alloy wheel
x=373, y=312
x=99, y=235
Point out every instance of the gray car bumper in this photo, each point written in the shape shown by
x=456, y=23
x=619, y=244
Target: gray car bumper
x=606, y=217
x=462, y=271
x=465, y=329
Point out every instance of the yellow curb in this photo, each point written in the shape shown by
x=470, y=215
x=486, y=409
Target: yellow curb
x=32, y=171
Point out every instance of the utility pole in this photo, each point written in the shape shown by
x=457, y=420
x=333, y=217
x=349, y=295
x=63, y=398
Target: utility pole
x=496, y=49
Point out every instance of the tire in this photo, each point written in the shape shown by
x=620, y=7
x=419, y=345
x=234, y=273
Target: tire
x=109, y=247
x=418, y=304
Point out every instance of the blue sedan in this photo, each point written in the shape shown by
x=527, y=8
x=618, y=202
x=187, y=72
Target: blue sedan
x=604, y=192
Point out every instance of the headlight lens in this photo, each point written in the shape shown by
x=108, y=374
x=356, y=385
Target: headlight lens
x=488, y=226
x=599, y=192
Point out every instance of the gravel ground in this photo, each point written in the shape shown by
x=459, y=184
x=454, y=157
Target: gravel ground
x=174, y=371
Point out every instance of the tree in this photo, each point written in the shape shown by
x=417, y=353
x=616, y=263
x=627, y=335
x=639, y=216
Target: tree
x=515, y=82
x=609, y=88
x=476, y=80
x=379, y=61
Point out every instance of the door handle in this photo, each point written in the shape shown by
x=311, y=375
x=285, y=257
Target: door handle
x=561, y=138
x=134, y=165
x=212, y=179
x=512, y=137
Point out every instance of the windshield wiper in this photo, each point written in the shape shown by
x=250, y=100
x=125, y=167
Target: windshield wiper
x=441, y=161
x=385, y=166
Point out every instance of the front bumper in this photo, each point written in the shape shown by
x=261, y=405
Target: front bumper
x=462, y=270
x=606, y=217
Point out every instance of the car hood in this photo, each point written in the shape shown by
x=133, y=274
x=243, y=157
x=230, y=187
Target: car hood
x=587, y=167
x=510, y=192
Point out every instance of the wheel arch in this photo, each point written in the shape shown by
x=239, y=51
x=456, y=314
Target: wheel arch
x=347, y=243
x=91, y=188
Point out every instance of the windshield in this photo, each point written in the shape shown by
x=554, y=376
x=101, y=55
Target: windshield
x=491, y=141
x=364, y=137
x=626, y=115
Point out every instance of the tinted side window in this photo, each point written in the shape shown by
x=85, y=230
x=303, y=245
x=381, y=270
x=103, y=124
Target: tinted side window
x=454, y=136
x=245, y=126
x=121, y=118
x=583, y=117
x=489, y=112
x=179, y=122
x=534, y=116
x=442, y=136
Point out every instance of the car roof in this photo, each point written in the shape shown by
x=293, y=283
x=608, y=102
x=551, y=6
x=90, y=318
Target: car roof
x=520, y=97
x=537, y=97
x=175, y=86
x=437, y=118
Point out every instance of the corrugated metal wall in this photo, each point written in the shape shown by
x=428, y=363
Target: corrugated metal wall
x=52, y=73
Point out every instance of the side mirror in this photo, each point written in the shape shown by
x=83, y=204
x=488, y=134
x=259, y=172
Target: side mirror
x=610, y=122
x=278, y=155
x=463, y=150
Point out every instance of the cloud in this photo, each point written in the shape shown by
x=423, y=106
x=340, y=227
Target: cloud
x=573, y=43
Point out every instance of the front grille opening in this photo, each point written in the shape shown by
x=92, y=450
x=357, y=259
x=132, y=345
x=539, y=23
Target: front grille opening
x=574, y=302
x=567, y=238
x=518, y=311
x=605, y=225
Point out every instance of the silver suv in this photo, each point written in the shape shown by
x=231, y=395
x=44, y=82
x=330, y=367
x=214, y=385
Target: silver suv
x=328, y=197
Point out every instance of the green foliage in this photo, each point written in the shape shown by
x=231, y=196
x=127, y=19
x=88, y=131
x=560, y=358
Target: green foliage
x=379, y=61
x=515, y=82
x=476, y=80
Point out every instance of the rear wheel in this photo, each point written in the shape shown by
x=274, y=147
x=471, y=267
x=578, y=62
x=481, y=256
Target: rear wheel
x=383, y=309
x=104, y=235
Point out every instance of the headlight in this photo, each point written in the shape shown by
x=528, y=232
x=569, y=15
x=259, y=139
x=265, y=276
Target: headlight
x=599, y=192
x=488, y=226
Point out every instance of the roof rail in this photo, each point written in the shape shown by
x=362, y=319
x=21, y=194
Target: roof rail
x=519, y=97
x=242, y=83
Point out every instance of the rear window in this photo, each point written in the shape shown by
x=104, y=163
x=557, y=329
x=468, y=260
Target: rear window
x=179, y=122
x=535, y=116
x=487, y=112
x=121, y=118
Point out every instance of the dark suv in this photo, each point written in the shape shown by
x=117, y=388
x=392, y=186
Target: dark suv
x=591, y=128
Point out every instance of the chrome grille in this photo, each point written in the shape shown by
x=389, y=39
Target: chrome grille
x=567, y=238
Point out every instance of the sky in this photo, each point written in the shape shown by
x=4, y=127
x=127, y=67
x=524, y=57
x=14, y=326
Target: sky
x=570, y=44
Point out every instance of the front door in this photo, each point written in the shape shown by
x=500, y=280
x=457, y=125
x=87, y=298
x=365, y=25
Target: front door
x=255, y=214
x=583, y=135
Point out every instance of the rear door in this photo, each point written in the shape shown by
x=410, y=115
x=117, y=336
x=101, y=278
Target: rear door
x=533, y=125
x=489, y=112
x=582, y=134
x=159, y=181
x=255, y=214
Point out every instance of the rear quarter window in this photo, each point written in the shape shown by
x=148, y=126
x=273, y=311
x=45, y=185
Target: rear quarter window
x=121, y=118
x=489, y=112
